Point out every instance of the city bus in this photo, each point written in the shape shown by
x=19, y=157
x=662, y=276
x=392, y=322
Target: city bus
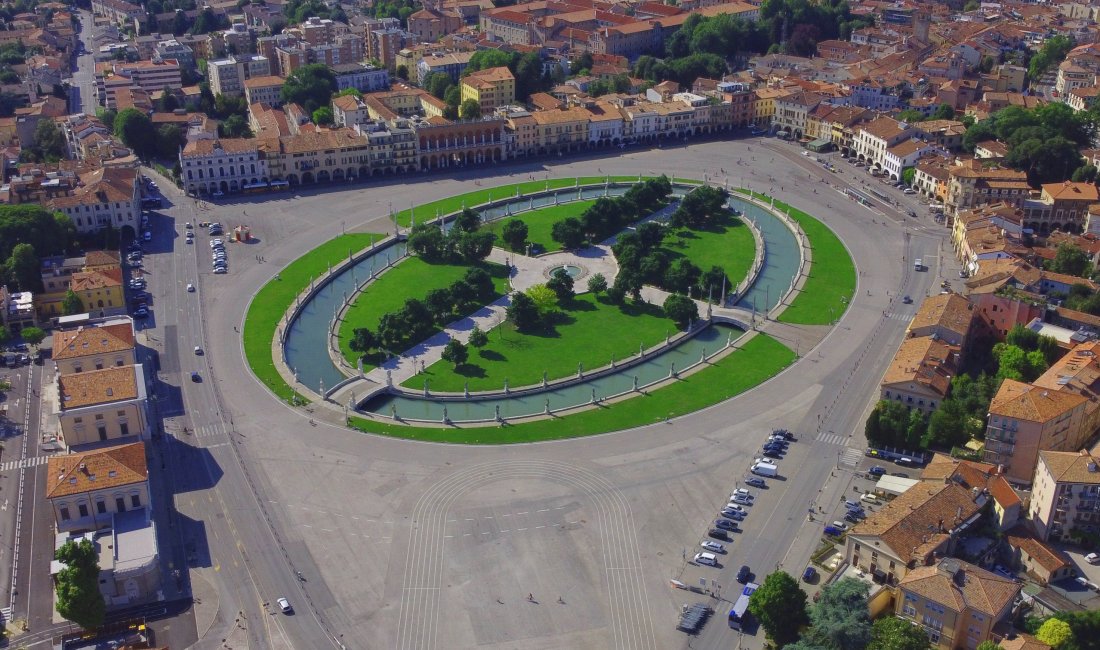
x=740, y=610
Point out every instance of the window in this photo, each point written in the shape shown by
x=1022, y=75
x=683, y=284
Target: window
x=135, y=500
x=120, y=504
x=83, y=510
x=64, y=510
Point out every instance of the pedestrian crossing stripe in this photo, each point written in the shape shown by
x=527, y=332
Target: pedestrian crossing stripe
x=210, y=431
x=851, y=457
x=23, y=463
x=832, y=438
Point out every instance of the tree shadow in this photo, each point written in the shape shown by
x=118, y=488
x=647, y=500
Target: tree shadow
x=577, y=305
x=491, y=355
x=470, y=370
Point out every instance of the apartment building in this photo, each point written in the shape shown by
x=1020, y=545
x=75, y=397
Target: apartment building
x=490, y=88
x=874, y=138
x=86, y=348
x=453, y=64
x=86, y=489
x=148, y=76
x=100, y=405
x=946, y=317
x=1024, y=420
x=912, y=530
x=986, y=233
x=956, y=603
x=972, y=183
x=919, y=376
x=106, y=196
x=792, y=113
x=1060, y=206
x=228, y=76
x=1065, y=500
x=264, y=90
x=223, y=165
x=363, y=77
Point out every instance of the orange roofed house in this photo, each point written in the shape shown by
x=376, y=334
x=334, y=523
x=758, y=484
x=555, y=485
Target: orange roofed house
x=95, y=406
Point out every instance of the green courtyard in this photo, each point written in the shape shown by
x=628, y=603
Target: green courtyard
x=587, y=330
x=540, y=221
x=728, y=243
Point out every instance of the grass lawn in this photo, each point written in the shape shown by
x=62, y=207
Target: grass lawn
x=477, y=197
x=412, y=278
x=590, y=332
x=728, y=244
x=759, y=360
x=539, y=223
x=832, y=280
x=272, y=301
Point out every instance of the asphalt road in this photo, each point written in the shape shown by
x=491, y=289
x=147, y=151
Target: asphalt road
x=417, y=545
x=82, y=94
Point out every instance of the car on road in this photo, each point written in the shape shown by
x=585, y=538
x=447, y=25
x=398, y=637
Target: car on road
x=1092, y=558
x=725, y=524
x=906, y=300
x=809, y=574
x=744, y=573
x=707, y=559
x=756, y=482
x=198, y=350
x=188, y=225
x=195, y=377
x=284, y=605
x=190, y=288
x=713, y=547
x=877, y=470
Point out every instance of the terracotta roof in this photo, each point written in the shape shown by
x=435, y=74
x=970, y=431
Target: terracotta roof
x=560, y=117
x=883, y=128
x=92, y=280
x=1070, y=191
x=972, y=474
x=903, y=149
x=1046, y=556
x=84, y=341
x=1071, y=467
x=98, y=386
x=489, y=76
x=101, y=469
x=101, y=258
x=920, y=517
x=229, y=145
x=960, y=586
x=949, y=311
x=101, y=185
x=1021, y=401
x=264, y=82
x=923, y=360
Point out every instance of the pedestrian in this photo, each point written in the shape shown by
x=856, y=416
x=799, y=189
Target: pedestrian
x=531, y=597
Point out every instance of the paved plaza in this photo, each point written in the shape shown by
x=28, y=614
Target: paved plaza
x=413, y=545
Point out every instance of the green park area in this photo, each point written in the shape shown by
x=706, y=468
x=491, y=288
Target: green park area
x=726, y=243
x=757, y=361
x=412, y=278
x=540, y=221
x=586, y=330
x=832, y=281
x=272, y=301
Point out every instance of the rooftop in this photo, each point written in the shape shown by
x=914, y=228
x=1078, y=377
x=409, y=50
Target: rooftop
x=949, y=311
x=100, y=469
x=99, y=386
x=84, y=341
x=1072, y=467
x=1021, y=401
x=961, y=586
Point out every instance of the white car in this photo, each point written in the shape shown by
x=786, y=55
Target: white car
x=190, y=288
x=766, y=459
x=214, y=243
x=741, y=491
x=840, y=525
x=908, y=190
x=220, y=270
x=708, y=559
x=713, y=547
x=198, y=350
x=733, y=505
x=284, y=605
x=1092, y=558
x=742, y=499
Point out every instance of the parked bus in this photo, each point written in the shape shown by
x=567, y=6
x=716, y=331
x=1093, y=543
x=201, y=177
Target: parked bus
x=739, y=612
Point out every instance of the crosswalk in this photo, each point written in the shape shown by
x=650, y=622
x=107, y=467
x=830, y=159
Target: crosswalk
x=211, y=430
x=24, y=463
x=5, y=615
x=851, y=457
x=832, y=438
x=902, y=316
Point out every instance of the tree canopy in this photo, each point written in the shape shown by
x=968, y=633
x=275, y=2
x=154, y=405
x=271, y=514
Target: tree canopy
x=780, y=606
x=1043, y=141
x=135, y=129
x=77, y=585
x=893, y=633
x=840, y=617
x=311, y=86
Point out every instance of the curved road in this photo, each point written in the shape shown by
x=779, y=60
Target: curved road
x=412, y=545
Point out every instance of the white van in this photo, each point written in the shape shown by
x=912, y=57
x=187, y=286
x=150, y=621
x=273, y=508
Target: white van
x=918, y=264
x=709, y=559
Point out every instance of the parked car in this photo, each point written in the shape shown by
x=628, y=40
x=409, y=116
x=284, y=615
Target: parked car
x=718, y=533
x=869, y=498
x=1092, y=558
x=809, y=574
x=840, y=525
x=736, y=515
x=877, y=470
x=707, y=559
x=713, y=547
x=741, y=491
x=756, y=482
x=725, y=524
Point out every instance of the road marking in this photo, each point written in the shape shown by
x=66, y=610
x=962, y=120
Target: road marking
x=520, y=513
x=537, y=527
x=23, y=463
x=543, y=510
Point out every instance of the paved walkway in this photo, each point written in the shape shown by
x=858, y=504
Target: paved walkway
x=529, y=271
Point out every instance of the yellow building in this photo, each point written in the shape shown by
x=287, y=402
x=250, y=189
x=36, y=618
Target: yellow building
x=764, y=107
x=109, y=344
x=99, y=405
x=490, y=88
x=100, y=291
x=561, y=131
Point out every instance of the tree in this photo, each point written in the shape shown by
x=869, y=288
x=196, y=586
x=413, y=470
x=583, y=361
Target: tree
x=681, y=309
x=135, y=129
x=780, y=606
x=77, y=585
x=523, y=312
x=33, y=335
x=5, y=334
x=1055, y=633
x=947, y=426
x=310, y=86
x=169, y=140
x=24, y=268
x=438, y=83
x=944, y=112
x=986, y=645
x=350, y=92
x=469, y=109
x=597, y=284
x=49, y=141
x=322, y=116
x=235, y=126
x=840, y=617
x=1052, y=53
x=71, y=304
x=893, y=633
x=167, y=102
x=362, y=340
x=456, y=352
x=478, y=338
x=426, y=241
x=403, y=72
x=1070, y=260
x=561, y=283
x=514, y=234
x=713, y=282
x=892, y=425
x=568, y=232
x=681, y=276
x=467, y=221
x=544, y=298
